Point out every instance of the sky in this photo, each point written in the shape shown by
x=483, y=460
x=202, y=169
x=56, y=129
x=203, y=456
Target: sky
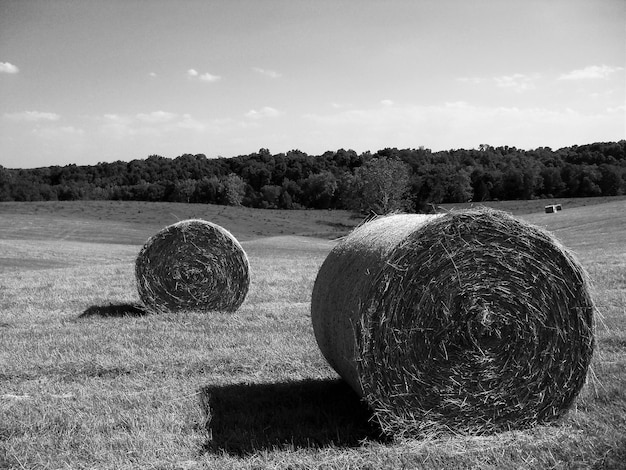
x=88, y=81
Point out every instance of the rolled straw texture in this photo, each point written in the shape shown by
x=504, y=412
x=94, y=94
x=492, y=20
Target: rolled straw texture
x=192, y=265
x=472, y=321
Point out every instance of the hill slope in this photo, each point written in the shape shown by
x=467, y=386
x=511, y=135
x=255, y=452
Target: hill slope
x=125, y=222
x=134, y=222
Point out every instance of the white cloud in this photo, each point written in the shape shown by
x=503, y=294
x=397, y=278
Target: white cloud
x=152, y=75
x=117, y=126
x=267, y=72
x=117, y=119
x=266, y=112
x=6, y=67
x=32, y=116
x=156, y=117
x=59, y=132
x=591, y=72
x=517, y=82
x=156, y=123
x=336, y=105
x=186, y=121
x=205, y=77
x=461, y=125
x=617, y=109
x=386, y=102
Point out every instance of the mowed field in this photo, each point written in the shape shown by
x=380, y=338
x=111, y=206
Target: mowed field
x=88, y=380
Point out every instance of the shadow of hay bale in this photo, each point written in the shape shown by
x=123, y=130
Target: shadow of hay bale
x=245, y=418
x=114, y=310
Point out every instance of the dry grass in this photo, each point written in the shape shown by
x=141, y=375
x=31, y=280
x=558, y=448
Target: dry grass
x=88, y=382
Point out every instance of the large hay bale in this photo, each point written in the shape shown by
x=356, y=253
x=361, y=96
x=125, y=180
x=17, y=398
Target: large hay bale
x=472, y=321
x=192, y=265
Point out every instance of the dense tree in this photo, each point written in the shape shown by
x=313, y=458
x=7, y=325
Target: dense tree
x=233, y=189
x=460, y=187
x=611, y=177
x=336, y=179
x=208, y=190
x=6, y=183
x=381, y=186
x=291, y=195
x=552, y=183
x=182, y=190
x=319, y=190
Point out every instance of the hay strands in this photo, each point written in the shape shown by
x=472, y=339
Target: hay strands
x=471, y=321
x=192, y=265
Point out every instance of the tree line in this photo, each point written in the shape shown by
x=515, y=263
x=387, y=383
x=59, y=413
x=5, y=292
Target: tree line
x=389, y=179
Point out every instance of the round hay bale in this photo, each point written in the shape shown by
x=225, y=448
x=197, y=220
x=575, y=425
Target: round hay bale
x=192, y=265
x=472, y=321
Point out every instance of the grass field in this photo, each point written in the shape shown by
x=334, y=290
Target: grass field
x=87, y=380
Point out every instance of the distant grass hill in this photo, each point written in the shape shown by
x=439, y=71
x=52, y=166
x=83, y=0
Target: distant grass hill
x=133, y=222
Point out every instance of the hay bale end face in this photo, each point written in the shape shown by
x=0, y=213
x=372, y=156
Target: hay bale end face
x=192, y=265
x=470, y=321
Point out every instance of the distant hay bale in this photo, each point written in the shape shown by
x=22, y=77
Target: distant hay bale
x=472, y=321
x=552, y=208
x=192, y=265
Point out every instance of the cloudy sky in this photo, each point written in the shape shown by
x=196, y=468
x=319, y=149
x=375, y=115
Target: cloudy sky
x=90, y=81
